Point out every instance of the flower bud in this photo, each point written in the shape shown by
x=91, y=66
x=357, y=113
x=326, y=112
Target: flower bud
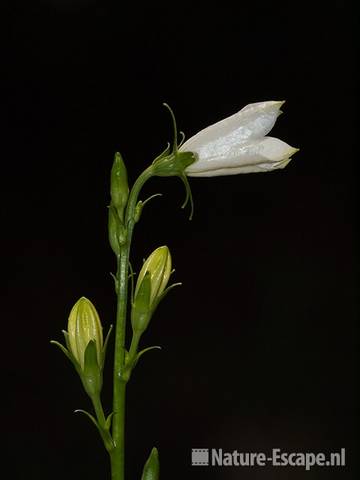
x=151, y=283
x=158, y=265
x=152, y=466
x=83, y=326
x=119, y=188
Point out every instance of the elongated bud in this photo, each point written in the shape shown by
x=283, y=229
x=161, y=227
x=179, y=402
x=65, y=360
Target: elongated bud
x=152, y=466
x=158, y=265
x=119, y=188
x=83, y=326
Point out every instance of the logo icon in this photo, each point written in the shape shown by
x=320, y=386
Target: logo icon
x=200, y=456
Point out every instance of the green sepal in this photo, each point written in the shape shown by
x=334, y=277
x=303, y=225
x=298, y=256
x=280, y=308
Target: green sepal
x=188, y=196
x=164, y=153
x=141, y=311
x=116, y=230
x=104, y=431
x=119, y=188
x=131, y=362
x=163, y=295
x=67, y=352
x=92, y=418
x=108, y=421
x=173, y=165
x=141, y=204
x=113, y=230
x=141, y=353
x=116, y=282
x=91, y=376
x=152, y=466
x=63, y=349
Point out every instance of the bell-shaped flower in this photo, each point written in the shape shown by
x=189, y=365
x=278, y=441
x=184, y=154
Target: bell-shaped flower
x=239, y=144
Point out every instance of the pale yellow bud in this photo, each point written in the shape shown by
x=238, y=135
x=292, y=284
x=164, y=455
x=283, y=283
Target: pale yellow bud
x=158, y=264
x=84, y=325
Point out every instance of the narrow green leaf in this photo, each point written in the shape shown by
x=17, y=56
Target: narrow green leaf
x=155, y=347
x=62, y=348
x=92, y=418
x=188, y=195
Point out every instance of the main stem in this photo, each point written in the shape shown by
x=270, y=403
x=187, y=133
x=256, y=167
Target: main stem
x=118, y=422
x=117, y=456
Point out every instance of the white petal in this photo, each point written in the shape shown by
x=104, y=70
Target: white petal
x=264, y=150
x=260, y=168
x=253, y=121
x=258, y=156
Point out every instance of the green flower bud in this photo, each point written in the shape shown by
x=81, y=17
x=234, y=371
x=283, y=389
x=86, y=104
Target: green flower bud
x=119, y=188
x=83, y=326
x=151, y=283
x=152, y=466
x=158, y=265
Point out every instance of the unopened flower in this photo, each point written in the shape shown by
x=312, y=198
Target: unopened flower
x=119, y=188
x=83, y=326
x=85, y=347
x=238, y=144
x=158, y=265
x=150, y=287
x=152, y=466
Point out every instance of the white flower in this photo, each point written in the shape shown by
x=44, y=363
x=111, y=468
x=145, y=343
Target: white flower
x=238, y=144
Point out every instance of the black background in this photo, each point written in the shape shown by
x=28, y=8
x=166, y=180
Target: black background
x=259, y=344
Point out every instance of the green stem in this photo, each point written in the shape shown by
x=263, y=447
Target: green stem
x=134, y=345
x=105, y=435
x=99, y=411
x=117, y=456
